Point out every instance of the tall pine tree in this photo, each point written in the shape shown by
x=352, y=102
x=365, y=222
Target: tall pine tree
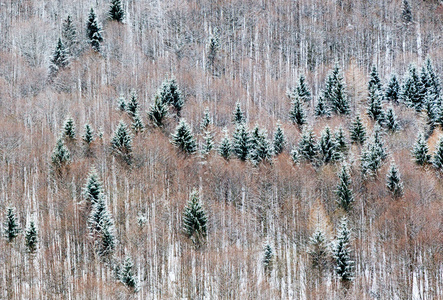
x=358, y=131
x=241, y=142
x=11, y=225
x=420, y=151
x=394, y=182
x=31, y=238
x=158, y=111
x=392, y=91
x=297, y=113
x=307, y=147
x=341, y=250
x=93, y=31
x=279, y=140
x=224, y=148
x=335, y=92
x=195, y=220
x=121, y=143
x=238, y=117
x=116, y=12
x=345, y=198
x=183, y=138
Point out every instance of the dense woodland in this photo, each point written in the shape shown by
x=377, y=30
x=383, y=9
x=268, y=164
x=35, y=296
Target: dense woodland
x=221, y=149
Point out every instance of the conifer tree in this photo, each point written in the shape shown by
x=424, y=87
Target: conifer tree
x=137, y=124
x=208, y=143
x=344, y=265
x=411, y=89
x=345, y=198
x=213, y=47
x=69, y=36
x=59, y=59
x=374, y=83
x=321, y=109
x=262, y=150
x=375, y=109
x=132, y=107
x=93, y=188
x=297, y=113
x=60, y=155
x=392, y=92
x=116, y=12
x=421, y=151
x=406, y=13
x=158, y=111
x=31, y=238
x=379, y=144
x=335, y=92
x=106, y=242
x=255, y=136
x=295, y=157
x=121, y=102
x=238, y=117
x=88, y=135
x=326, y=147
x=183, y=138
x=391, y=122
x=437, y=159
x=241, y=142
x=128, y=278
x=268, y=257
x=279, y=140
x=373, y=156
x=433, y=79
x=340, y=142
x=318, y=250
x=100, y=218
x=206, y=120
x=170, y=94
x=302, y=90
x=69, y=129
x=11, y=225
x=394, y=182
x=121, y=143
x=224, y=148
x=93, y=31
x=358, y=131
x=307, y=148
x=195, y=220
x=425, y=84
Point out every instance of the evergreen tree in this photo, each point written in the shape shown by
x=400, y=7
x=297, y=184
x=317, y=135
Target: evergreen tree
x=391, y=122
x=326, y=147
x=195, y=220
x=106, y=242
x=340, y=142
x=11, y=225
x=344, y=265
x=411, y=89
x=318, y=250
x=93, y=31
x=121, y=143
x=373, y=155
x=433, y=79
x=170, y=94
x=88, y=135
x=421, y=151
x=137, y=124
x=59, y=59
x=60, y=155
x=158, y=111
x=307, y=148
x=392, y=92
x=425, y=84
x=393, y=181
x=238, y=117
x=225, y=146
x=208, y=144
x=241, y=142
x=302, y=90
x=358, y=131
x=183, y=138
x=93, y=188
x=335, y=92
x=116, y=12
x=121, y=102
x=345, y=199
x=128, y=278
x=437, y=159
x=375, y=109
x=99, y=219
x=432, y=108
x=262, y=150
x=213, y=47
x=297, y=113
x=374, y=83
x=254, y=140
x=406, y=13
x=295, y=157
x=132, y=107
x=31, y=238
x=321, y=109
x=279, y=140
x=69, y=36
x=69, y=129
x=206, y=120
x=268, y=256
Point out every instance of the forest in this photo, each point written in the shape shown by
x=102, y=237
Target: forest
x=210, y=149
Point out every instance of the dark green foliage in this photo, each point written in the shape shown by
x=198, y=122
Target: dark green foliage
x=297, y=113
x=434, y=84
x=432, y=109
x=224, y=148
x=406, y=13
x=59, y=59
x=437, y=159
x=116, y=12
x=93, y=31
x=279, y=140
x=374, y=83
x=121, y=102
x=326, y=147
x=69, y=129
x=183, y=138
x=158, y=111
x=127, y=276
x=31, y=238
x=345, y=198
x=295, y=157
x=358, y=131
x=69, y=36
x=375, y=109
x=88, y=135
x=307, y=148
x=11, y=225
x=373, y=155
x=262, y=149
x=132, y=107
x=106, y=241
x=344, y=265
x=411, y=90
x=213, y=47
x=335, y=92
x=121, y=143
x=93, y=189
x=195, y=220
x=391, y=122
x=392, y=92
x=238, y=117
x=137, y=124
x=421, y=151
x=206, y=120
x=340, y=142
x=101, y=226
x=60, y=155
x=318, y=250
x=170, y=94
x=208, y=143
x=268, y=257
x=241, y=142
x=302, y=90
x=393, y=181
x=321, y=108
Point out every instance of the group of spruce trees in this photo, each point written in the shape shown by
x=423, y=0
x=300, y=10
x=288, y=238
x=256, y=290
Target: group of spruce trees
x=12, y=229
